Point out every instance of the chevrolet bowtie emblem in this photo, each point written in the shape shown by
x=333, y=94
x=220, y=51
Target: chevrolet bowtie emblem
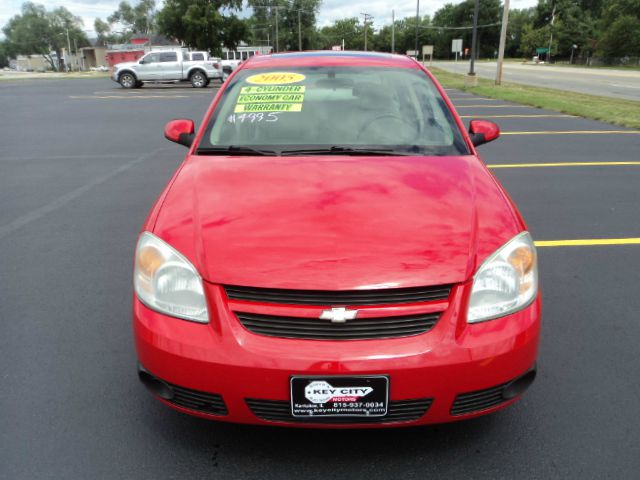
x=339, y=315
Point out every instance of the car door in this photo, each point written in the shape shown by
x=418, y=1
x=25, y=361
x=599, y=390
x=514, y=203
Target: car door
x=170, y=66
x=147, y=68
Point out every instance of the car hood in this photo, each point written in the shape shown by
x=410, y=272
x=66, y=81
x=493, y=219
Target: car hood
x=335, y=223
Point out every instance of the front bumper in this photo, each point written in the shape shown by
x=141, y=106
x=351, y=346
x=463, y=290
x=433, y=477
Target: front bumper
x=453, y=359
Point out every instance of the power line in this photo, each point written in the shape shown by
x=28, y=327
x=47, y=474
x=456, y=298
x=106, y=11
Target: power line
x=435, y=27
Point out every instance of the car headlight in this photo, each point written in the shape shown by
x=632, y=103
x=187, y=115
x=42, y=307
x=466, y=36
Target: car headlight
x=506, y=282
x=166, y=281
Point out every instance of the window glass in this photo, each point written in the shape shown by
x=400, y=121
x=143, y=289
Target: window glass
x=197, y=56
x=335, y=106
x=152, y=58
x=168, y=57
x=244, y=55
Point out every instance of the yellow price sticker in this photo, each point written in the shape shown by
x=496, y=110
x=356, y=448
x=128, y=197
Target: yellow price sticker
x=275, y=78
x=268, y=107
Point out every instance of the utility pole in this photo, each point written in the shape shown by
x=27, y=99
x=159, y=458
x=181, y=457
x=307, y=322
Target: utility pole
x=68, y=51
x=553, y=17
x=277, y=36
x=417, y=25
x=366, y=19
x=503, y=40
x=393, y=31
x=471, y=79
x=299, y=30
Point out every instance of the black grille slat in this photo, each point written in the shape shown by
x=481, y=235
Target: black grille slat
x=479, y=400
x=398, y=411
x=210, y=403
x=317, y=329
x=338, y=297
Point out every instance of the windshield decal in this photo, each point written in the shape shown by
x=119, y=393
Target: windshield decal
x=271, y=98
x=275, y=78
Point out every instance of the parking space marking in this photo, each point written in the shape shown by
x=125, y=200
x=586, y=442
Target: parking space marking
x=63, y=200
x=119, y=97
x=562, y=164
x=492, y=106
x=588, y=242
x=157, y=91
x=481, y=99
x=533, y=115
x=576, y=132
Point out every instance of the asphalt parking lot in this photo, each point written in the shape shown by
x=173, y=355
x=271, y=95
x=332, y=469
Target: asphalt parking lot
x=81, y=162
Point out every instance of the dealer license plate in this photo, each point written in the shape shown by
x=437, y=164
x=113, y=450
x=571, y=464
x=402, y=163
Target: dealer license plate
x=364, y=396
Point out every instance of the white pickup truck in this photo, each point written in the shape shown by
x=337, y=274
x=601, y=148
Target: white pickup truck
x=168, y=67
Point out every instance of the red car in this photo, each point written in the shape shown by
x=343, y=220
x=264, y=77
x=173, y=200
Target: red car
x=332, y=252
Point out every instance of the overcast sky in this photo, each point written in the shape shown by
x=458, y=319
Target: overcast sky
x=330, y=10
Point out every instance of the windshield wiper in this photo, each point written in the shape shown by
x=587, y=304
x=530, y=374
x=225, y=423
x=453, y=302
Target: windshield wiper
x=339, y=150
x=235, y=150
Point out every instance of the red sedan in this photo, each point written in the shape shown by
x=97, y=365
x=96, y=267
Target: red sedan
x=332, y=252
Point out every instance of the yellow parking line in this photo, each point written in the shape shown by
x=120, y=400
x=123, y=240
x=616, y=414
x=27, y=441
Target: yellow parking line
x=481, y=99
x=537, y=115
x=561, y=164
x=576, y=132
x=588, y=242
x=88, y=97
x=492, y=106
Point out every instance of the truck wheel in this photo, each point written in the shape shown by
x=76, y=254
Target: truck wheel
x=127, y=80
x=198, y=80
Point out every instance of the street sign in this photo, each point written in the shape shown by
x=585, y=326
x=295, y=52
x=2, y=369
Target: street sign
x=456, y=45
x=336, y=48
x=542, y=50
x=427, y=50
x=412, y=53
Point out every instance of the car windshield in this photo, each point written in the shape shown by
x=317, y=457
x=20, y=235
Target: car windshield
x=317, y=110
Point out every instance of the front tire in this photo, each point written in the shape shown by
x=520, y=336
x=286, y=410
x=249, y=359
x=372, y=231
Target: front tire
x=127, y=80
x=198, y=80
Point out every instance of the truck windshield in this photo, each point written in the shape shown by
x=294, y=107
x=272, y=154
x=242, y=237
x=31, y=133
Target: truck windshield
x=333, y=109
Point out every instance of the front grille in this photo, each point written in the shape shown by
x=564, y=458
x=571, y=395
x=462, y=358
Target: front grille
x=358, y=329
x=338, y=297
x=210, y=403
x=398, y=411
x=479, y=400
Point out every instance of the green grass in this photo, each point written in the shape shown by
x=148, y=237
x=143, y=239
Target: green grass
x=611, y=110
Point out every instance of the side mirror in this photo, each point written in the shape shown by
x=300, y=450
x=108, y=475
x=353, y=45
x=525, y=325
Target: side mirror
x=141, y=62
x=180, y=131
x=483, y=131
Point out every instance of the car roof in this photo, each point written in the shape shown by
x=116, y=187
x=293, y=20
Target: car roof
x=328, y=58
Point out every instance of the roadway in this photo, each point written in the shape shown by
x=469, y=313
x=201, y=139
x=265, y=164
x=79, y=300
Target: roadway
x=616, y=83
x=82, y=162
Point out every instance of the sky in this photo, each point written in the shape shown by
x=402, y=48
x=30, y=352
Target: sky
x=330, y=10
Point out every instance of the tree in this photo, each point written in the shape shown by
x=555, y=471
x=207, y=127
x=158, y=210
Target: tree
x=349, y=29
x=518, y=20
x=105, y=35
x=138, y=19
x=288, y=12
x=620, y=26
x=203, y=24
x=5, y=54
x=39, y=32
x=461, y=15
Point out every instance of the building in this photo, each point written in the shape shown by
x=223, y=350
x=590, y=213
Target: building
x=33, y=63
x=93, y=56
x=130, y=52
x=244, y=52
